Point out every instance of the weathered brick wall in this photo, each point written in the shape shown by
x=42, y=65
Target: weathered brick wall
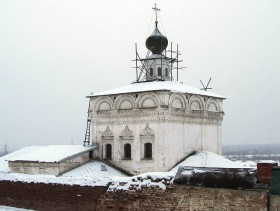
x=49, y=196
x=274, y=203
x=184, y=198
x=64, y=197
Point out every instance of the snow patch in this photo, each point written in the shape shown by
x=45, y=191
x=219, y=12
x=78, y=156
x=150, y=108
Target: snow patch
x=50, y=179
x=8, y=208
x=151, y=179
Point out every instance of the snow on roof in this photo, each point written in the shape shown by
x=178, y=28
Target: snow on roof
x=207, y=159
x=4, y=166
x=157, y=86
x=94, y=169
x=247, y=163
x=51, y=153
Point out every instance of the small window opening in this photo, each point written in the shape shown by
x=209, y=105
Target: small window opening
x=159, y=71
x=127, y=151
x=151, y=72
x=108, y=151
x=148, y=150
x=91, y=154
x=166, y=72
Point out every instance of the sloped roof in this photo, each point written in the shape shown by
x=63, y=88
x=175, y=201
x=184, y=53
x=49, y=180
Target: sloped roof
x=51, y=153
x=157, y=86
x=4, y=166
x=94, y=169
x=207, y=159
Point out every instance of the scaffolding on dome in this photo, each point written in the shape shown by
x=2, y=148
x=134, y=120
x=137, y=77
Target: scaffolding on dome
x=172, y=58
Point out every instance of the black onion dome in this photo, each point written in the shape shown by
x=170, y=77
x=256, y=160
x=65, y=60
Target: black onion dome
x=156, y=42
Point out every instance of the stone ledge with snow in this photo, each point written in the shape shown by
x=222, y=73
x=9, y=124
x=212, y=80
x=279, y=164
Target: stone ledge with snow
x=50, y=160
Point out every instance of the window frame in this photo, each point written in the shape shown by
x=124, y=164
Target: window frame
x=148, y=150
x=107, y=147
x=127, y=151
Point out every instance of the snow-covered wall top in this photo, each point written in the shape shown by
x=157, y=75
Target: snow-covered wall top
x=157, y=86
x=51, y=153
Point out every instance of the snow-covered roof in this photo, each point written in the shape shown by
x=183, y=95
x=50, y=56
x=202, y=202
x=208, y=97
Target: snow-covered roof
x=51, y=153
x=94, y=169
x=207, y=159
x=157, y=86
x=4, y=166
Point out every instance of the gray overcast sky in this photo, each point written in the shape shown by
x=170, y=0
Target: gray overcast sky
x=54, y=53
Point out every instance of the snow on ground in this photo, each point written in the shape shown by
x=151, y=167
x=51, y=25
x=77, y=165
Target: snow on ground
x=6, y=208
x=3, y=160
x=207, y=159
x=150, y=179
x=94, y=169
x=51, y=153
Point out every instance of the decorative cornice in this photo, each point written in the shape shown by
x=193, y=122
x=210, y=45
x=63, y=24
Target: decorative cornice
x=157, y=115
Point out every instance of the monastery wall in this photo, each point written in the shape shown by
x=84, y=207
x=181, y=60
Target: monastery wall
x=175, y=197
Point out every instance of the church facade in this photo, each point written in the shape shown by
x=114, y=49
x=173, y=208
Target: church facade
x=153, y=124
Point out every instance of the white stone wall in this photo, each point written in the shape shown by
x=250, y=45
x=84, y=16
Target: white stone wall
x=48, y=168
x=179, y=123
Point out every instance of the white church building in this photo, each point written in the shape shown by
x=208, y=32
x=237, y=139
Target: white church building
x=149, y=125
x=155, y=122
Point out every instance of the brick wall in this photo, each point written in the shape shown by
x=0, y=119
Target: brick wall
x=175, y=197
x=184, y=198
x=274, y=203
x=48, y=196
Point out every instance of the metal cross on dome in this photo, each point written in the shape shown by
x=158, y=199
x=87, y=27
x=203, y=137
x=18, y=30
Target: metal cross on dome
x=156, y=11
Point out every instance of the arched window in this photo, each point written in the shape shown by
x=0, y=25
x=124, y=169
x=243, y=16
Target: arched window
x=151, y=71
x=108, y=151
x=159, y=71
x=166, y=72
x=148, y=151
x=127, y=151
